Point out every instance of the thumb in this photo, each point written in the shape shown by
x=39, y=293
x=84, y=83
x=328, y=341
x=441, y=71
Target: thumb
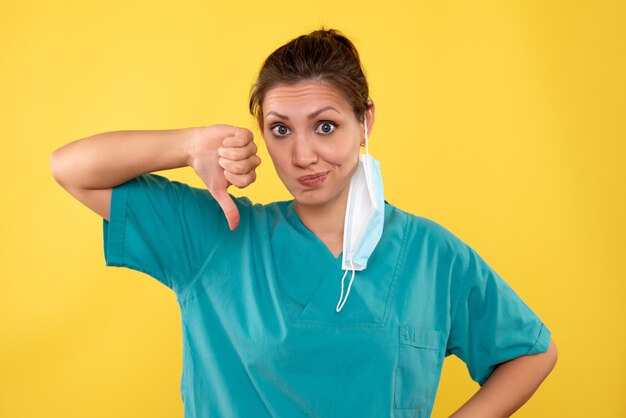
x=228, y=207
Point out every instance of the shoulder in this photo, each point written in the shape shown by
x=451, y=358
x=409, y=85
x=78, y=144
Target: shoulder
x=193, y=204
x=424, y=231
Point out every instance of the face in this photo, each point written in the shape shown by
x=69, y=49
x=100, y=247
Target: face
x=313, y=138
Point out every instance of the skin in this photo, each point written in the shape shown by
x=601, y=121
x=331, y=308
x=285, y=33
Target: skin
x=224, y=155
x=298, y=145
x=310, y=128
x=510, y=386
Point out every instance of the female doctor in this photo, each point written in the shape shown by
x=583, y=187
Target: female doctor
x=335, y=303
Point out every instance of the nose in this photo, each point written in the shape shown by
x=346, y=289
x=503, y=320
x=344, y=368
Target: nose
x=304, y=153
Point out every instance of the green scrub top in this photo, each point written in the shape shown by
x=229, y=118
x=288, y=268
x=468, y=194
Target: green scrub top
x=261, y=336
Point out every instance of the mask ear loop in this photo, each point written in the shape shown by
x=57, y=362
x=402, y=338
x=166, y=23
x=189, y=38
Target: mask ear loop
x=340, y=303
x=367, y=149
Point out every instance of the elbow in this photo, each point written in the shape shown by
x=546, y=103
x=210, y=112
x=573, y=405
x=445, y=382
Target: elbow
x=56, y=167
x=63, y=168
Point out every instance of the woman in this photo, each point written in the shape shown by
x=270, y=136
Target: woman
x=331, y=304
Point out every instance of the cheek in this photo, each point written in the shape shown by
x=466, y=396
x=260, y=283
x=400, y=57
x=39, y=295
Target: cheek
x=341, y=155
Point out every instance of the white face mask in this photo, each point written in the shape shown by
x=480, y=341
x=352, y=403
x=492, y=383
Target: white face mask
x=365, y=216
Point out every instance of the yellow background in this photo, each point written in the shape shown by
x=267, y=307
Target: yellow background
x=503, y=121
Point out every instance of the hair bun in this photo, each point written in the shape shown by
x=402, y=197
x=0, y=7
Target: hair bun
x=324, y=55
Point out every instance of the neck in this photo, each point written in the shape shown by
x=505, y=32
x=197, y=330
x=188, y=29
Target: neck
x=326, y=221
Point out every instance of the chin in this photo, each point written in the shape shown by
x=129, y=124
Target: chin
x=310, y=199
x=319, y=197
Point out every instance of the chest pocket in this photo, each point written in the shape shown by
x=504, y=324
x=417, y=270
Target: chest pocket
x=420, y=359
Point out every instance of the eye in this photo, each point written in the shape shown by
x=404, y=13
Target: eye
x=326, y=127
x=280, y=130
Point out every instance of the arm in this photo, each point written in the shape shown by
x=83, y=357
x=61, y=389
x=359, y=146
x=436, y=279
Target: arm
x=89, y=168
x=510, y=386
x=108, y=159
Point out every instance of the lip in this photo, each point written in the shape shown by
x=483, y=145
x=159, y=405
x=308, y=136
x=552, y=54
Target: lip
x=313, y=180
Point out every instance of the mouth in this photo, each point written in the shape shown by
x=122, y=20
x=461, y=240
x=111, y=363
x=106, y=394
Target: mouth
x=313, y=180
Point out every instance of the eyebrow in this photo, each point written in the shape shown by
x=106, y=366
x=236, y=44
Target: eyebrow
x=311, y=116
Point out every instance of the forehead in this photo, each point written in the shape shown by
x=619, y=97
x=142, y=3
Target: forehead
x=304, y=97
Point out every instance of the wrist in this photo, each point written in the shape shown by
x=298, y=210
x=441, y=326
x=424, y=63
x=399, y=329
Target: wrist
x=190, y=143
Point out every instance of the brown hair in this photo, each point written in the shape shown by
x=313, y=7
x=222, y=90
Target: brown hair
x=323, y=55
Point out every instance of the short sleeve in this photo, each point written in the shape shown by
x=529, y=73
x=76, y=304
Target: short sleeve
x=162, y=228
x=490, y=323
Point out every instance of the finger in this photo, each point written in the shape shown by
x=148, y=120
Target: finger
x=240, y=180
x=240, y=167
x=235, y=167
x=228, y=207
x=237, y=153
x=243, y=132
x=240, y=138
x=235, y=142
